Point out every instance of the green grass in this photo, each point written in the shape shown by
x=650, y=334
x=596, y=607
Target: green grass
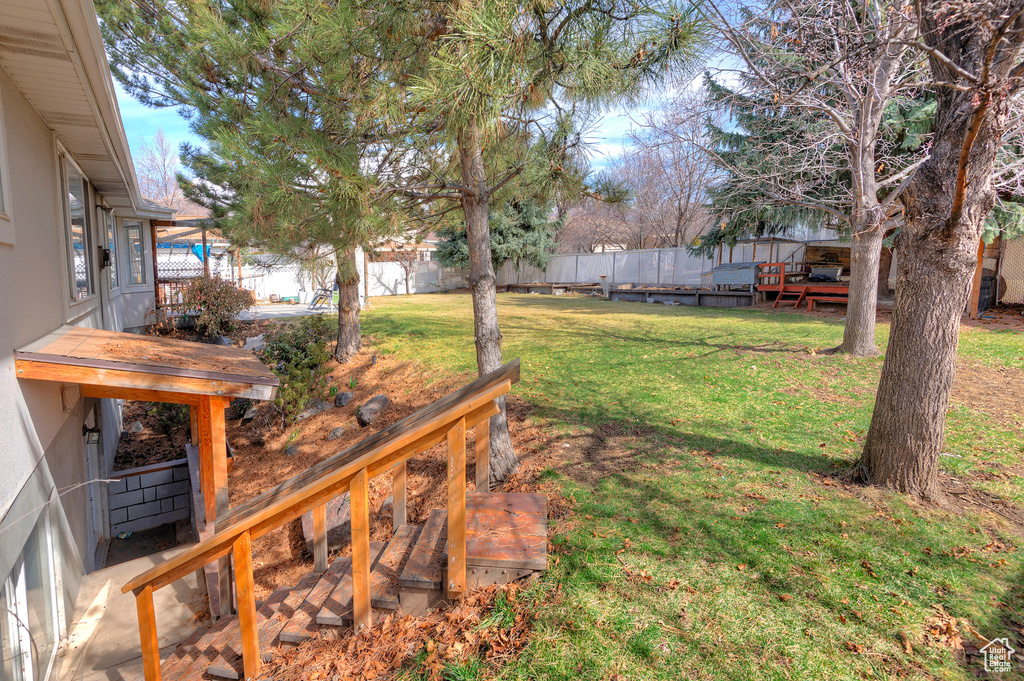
x=709, y=537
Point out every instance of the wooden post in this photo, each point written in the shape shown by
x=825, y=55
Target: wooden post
x=320, y=538
x=976, y=284
x=193, y=418
x=156, y=286
x=359, y=503
x=456, y=584
x=246, y=596
x=213, y=476
x=483, y=456
x=206, y=256
x=147, y=633
x=398, y=517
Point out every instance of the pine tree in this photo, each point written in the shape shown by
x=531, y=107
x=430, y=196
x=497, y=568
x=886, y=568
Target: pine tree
x=283, y=159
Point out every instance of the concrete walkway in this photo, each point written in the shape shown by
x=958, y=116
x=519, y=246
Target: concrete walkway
x=103, y=640
x=281, y=311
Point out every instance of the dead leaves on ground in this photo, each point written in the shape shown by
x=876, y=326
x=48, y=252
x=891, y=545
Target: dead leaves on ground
x=432, y=643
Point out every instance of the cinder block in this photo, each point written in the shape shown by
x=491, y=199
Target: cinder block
x=134, y=482
x=126, y=499
x=181, y=501
x=157, y=477
x=118, y=487
x=180, y=473
x=172, y=489
x=118, y=515
x=142, y=510
x=166, y=505
x=149, y=494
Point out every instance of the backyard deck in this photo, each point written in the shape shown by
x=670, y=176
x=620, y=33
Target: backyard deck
x=775, y=279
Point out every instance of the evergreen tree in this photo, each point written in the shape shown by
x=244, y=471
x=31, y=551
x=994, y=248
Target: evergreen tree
x=521, y=232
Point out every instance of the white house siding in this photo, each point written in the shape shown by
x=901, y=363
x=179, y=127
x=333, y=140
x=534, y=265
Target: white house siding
x=42, y=446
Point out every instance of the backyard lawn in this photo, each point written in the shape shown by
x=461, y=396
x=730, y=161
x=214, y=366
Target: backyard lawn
x=711, y=533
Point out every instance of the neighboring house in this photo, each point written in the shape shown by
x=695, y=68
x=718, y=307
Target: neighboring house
x=75, y=248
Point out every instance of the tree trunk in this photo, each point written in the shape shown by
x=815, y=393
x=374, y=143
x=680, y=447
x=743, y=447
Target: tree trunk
x=482, y=283
x=884, y=267
x=350, y=337
x=944, y=210
x=865, y=251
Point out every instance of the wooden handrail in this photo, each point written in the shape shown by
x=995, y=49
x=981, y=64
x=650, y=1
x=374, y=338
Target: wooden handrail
x=447, y=419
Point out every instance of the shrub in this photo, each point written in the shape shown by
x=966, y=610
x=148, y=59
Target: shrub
x=169, y=417
x=298, y=354
x=215, y=303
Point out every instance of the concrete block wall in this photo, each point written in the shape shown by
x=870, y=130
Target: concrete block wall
x=143, y=498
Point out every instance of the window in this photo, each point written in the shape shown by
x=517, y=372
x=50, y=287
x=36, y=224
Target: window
x=80, y=252
x=28, y=629
x=108, y=218
x=135, y=241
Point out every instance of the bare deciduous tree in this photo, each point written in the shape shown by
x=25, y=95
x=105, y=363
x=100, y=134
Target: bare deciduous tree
x=822, y=75
x=157, y=168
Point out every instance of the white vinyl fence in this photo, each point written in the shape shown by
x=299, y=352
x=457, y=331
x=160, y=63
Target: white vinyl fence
x=661, y=266
x=394, y=279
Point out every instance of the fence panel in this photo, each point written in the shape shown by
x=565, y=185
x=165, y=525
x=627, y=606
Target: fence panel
x=627, y=267
x=1011, y=274
x=592, y=266
x=561, y=269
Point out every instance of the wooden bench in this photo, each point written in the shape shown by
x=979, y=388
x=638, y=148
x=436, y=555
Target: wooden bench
x=811, y=300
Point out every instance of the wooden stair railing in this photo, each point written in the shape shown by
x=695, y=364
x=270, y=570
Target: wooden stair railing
x=447, y=419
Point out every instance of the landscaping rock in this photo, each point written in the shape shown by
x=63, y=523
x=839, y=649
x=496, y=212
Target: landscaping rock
x=373, y=408
x=342, y=399
x=136, y=427
x=388, y=505
x=336, y=433
x=339, y=524
x=292, y=451
x=249, y=414
x=222, y=340
x=316, y=407
x=255, y=343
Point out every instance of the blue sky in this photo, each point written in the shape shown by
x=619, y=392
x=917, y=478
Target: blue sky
x=607, y=140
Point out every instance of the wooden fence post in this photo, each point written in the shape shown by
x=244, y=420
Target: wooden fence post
x=359, y=503
x=320, y=538
x=483, y=456
x=246, y=596
x=398, y=514
x=457, y=509
x=147, y=633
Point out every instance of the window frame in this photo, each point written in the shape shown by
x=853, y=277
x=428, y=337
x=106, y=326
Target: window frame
x=75, y=308
x=127, y=284
x=111, y=239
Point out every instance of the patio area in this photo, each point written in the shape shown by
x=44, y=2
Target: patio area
x=103, y=639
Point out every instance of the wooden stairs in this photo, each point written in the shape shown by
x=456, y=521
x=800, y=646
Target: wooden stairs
x=506, y=538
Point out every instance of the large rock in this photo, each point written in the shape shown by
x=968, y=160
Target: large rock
x=255, y=343
x=315, y=407
x=342, y=399
x=373, y=408
x=136, y=427
x=339, y=524
x=335, y=434
x=249, y=414
x=222, y=340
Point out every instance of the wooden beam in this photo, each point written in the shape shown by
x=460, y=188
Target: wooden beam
x=359, y=503
x=144, y=394
x=139, y=380
x=456, y=582
x=193, y=422
x=147, y=634
x=976, y=282
x=246, y=596
x=320, y=538
x=398, y=517
x=483, y=456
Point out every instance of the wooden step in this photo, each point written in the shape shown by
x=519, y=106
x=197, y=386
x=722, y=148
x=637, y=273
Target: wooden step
x=303, y=624
x=425, y=567
x=337, y=610
x=507, y=531
x=271, y=618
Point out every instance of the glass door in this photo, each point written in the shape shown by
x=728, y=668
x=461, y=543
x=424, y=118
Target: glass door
x=28, y=615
